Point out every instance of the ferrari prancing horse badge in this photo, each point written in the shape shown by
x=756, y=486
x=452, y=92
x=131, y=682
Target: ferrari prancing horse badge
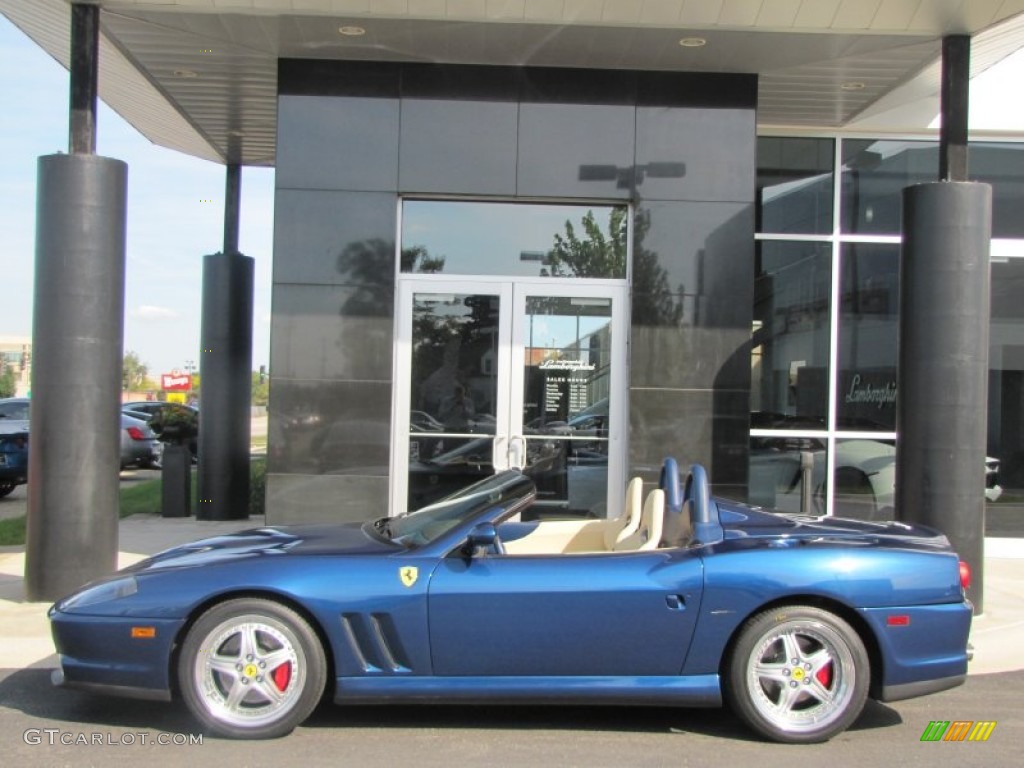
x=408, y=574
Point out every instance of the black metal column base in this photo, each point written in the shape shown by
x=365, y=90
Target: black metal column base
x=176, y=476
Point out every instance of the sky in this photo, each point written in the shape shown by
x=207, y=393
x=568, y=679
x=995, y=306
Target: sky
x=175, y=214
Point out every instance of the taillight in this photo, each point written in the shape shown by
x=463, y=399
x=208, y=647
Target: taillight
x=135, y=433
x=965, y=575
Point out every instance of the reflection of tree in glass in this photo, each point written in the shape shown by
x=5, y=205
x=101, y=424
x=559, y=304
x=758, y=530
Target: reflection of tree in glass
x=418, y=259
x=598, y=255
x=604, y=255
x=451, y=340
x=368, y=267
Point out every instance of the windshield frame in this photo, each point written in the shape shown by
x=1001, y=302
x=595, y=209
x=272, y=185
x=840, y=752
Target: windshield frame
x=506, y=492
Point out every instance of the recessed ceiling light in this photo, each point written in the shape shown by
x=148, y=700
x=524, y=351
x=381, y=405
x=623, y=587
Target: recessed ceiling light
x=853, y=85
x=351, y=31
x=693, y=42
x=188, y=73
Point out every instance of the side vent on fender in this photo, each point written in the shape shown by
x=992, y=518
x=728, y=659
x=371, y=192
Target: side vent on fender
x=373, y=642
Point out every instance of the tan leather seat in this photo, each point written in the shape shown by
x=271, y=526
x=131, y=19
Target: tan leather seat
x=648, y=535
x=626, y=524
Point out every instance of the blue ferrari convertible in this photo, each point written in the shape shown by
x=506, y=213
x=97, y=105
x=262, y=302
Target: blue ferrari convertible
x=681, y=600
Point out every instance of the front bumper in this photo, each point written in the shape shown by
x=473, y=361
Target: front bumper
x=100, y=653
x=59, y=680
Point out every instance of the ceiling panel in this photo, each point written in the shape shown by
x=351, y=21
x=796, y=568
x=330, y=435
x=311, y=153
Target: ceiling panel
x=200, y=75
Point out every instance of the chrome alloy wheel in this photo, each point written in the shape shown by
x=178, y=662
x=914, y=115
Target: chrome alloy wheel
x=251, y=668
x=252, y=672
x=800, y=676
x=797, y=674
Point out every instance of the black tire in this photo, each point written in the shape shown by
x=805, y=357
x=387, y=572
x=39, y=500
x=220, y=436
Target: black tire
x=7, y=488
x=251, y=669
x=797, y=674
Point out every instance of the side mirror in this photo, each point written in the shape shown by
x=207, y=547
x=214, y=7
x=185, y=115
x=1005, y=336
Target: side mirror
x=483, y=539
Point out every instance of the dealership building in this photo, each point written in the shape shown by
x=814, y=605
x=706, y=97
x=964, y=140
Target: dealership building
x=576, y=236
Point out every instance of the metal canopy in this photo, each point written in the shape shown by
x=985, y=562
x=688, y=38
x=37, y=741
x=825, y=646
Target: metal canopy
x=200, y=76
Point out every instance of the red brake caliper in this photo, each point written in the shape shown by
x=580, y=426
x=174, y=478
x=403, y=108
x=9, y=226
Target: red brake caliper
x=282, y=675
x=824, y=675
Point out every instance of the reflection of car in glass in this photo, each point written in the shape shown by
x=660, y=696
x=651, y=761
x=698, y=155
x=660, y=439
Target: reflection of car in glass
x=685, y=600
x=571, y=475
x=865, y=475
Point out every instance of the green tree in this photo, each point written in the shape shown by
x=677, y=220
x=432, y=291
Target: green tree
x=260, y=388
x=8, y=382
x=134, y=373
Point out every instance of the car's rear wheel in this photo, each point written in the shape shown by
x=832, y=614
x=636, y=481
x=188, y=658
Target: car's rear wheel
x=7, y=488
x=251, y=669
x=798, y=674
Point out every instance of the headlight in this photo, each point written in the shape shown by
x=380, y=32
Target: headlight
x=101, y=593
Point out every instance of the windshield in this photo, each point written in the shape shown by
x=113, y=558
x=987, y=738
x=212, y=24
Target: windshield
x=505, y=489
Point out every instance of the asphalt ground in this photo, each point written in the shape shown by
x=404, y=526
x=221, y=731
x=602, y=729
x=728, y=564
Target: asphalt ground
x=43, y=726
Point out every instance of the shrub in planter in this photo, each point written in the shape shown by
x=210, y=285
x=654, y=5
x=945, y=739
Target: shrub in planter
x=175, y=423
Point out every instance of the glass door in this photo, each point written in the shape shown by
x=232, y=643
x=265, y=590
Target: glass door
x=494, y=374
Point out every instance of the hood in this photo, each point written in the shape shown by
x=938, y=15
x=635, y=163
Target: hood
x=311, y=540
x=742, y=521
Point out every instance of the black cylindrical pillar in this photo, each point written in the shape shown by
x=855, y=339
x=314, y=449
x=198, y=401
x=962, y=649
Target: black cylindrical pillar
x=232, y=206
x=953, y=107
x=74, y=449
x=84, y=69
x=943, y=365
x=225, y=365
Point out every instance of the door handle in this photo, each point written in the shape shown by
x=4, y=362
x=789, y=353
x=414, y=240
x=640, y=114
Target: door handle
x=517, y=453
x=499, y=454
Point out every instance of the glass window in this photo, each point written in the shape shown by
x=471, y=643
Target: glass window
x=777, y=477
x=454, y=389
x=874, y=174
x=794, y=185
x=565, y=408
x=515, y=239
x=1004, y=479
x=1002, y=166
x=865, y=479
x=868, y=330
x=789, y=386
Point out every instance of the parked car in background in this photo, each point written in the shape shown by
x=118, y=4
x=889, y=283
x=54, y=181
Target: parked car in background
x=147, y=409
x=13, y=444
x=139, y=444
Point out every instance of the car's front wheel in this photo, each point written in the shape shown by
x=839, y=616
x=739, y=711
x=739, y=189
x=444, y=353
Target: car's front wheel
x=7, y=488
x=798, y=674
x=251, y=669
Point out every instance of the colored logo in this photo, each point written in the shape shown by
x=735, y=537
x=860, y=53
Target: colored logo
x=958, y=730
x=408, y=574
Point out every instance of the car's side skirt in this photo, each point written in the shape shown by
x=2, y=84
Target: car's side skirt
x=691, y=691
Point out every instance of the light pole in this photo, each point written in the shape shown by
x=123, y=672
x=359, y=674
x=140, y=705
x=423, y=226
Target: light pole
x=190, y=368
